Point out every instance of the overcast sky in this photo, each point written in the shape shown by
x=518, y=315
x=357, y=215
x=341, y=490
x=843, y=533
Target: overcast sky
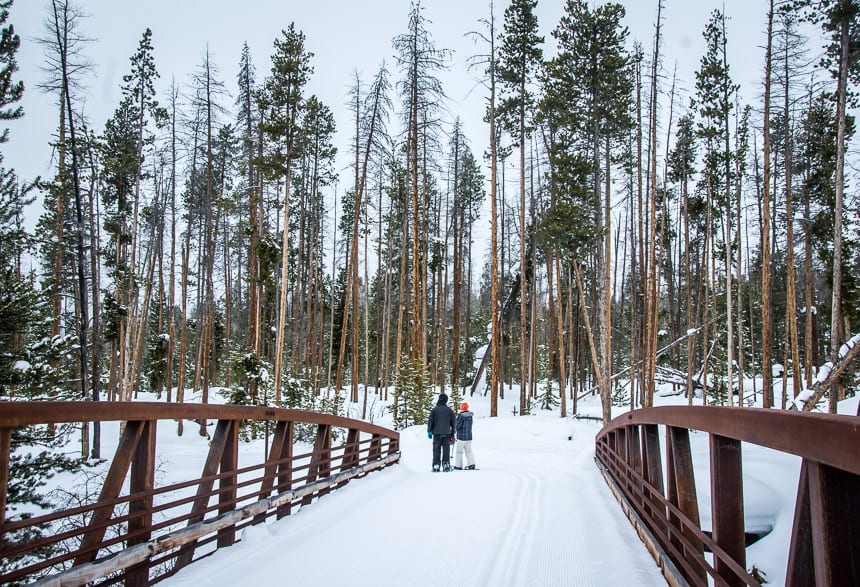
x=345, y=36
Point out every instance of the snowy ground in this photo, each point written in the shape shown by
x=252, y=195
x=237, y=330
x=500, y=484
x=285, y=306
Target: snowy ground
x=536, y=513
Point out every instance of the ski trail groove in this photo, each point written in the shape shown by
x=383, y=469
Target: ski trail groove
x=498, y=559
x=534, y=516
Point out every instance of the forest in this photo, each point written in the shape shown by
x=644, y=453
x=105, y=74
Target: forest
x=185, y=247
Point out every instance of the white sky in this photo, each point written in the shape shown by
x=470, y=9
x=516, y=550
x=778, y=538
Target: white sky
x=344, y=36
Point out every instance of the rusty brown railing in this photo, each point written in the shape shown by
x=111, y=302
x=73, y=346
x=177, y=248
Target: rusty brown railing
x=825, y=538
x=136, y=532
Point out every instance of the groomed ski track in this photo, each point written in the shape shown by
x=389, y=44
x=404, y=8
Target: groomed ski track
x=537, y=512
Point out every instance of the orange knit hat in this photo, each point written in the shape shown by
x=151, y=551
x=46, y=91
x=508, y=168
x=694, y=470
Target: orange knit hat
x=464, y=407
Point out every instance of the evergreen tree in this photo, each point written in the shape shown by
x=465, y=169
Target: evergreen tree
x=32, y=365
x=587, y=106
x=282, y=101
x=519, y=59
x=414, y=396
x=840, y=19
x=713, y=101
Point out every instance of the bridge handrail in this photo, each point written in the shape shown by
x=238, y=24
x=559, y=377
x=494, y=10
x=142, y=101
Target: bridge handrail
x=664, y=505
x=153, y=533
x=22, y=413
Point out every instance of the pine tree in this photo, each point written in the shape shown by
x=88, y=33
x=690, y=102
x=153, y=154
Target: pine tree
x=32, y=366
x=838, y=19
x=283, y=100
x=587, y=103
x=414, y=397
x=247, y=122
x=519, y=59
x=714, y=90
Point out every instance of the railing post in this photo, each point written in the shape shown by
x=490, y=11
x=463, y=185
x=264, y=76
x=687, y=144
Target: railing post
x=350, y=453
x=220, y=440
x=142, y=480
x=320, y=465
x=687, y=500
x=375, y=452
x=621, y=446
x=801, y=560
x=280, y=463
x=634, y=459
x=727, y=505
x=227, y=485
x=834, y=511
x=110, y=490
x=393, y=446
x=653, y=470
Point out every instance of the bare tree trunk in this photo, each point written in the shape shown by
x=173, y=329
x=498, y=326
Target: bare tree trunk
x=809, y=290
x=791, y=294
x=728, y=237
x=171, y=325
x=766, y=337
x=839, y=180
x=494, y=262
x=606, y=299
x=562, y=374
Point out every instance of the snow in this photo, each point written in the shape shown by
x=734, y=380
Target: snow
x=848, y=345
x=21, y=366
x=537, y=512
x=823, y=372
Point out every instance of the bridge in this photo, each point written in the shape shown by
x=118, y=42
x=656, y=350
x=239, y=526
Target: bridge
x=550, y=505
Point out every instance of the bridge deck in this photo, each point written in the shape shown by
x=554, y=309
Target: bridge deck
x=536, y=513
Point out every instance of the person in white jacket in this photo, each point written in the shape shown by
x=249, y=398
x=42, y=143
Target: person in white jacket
x=463, y=426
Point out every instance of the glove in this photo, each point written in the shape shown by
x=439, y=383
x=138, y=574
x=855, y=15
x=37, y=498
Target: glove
x=429, y=435
x=453, y=440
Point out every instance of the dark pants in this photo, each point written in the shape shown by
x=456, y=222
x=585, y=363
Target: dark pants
x=441, y=443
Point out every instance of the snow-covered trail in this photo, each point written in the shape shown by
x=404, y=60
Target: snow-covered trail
x=536, y=513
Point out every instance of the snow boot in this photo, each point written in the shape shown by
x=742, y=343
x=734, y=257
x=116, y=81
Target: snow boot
x=435, y=468
x=470, y=467
x=458, y=468
x=446, y=468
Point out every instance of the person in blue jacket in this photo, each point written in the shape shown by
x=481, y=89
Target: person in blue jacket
x=440, y=427
x=463, y=426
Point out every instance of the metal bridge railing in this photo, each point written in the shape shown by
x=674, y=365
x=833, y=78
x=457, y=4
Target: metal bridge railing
x=136, y=532
x=825, y=537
